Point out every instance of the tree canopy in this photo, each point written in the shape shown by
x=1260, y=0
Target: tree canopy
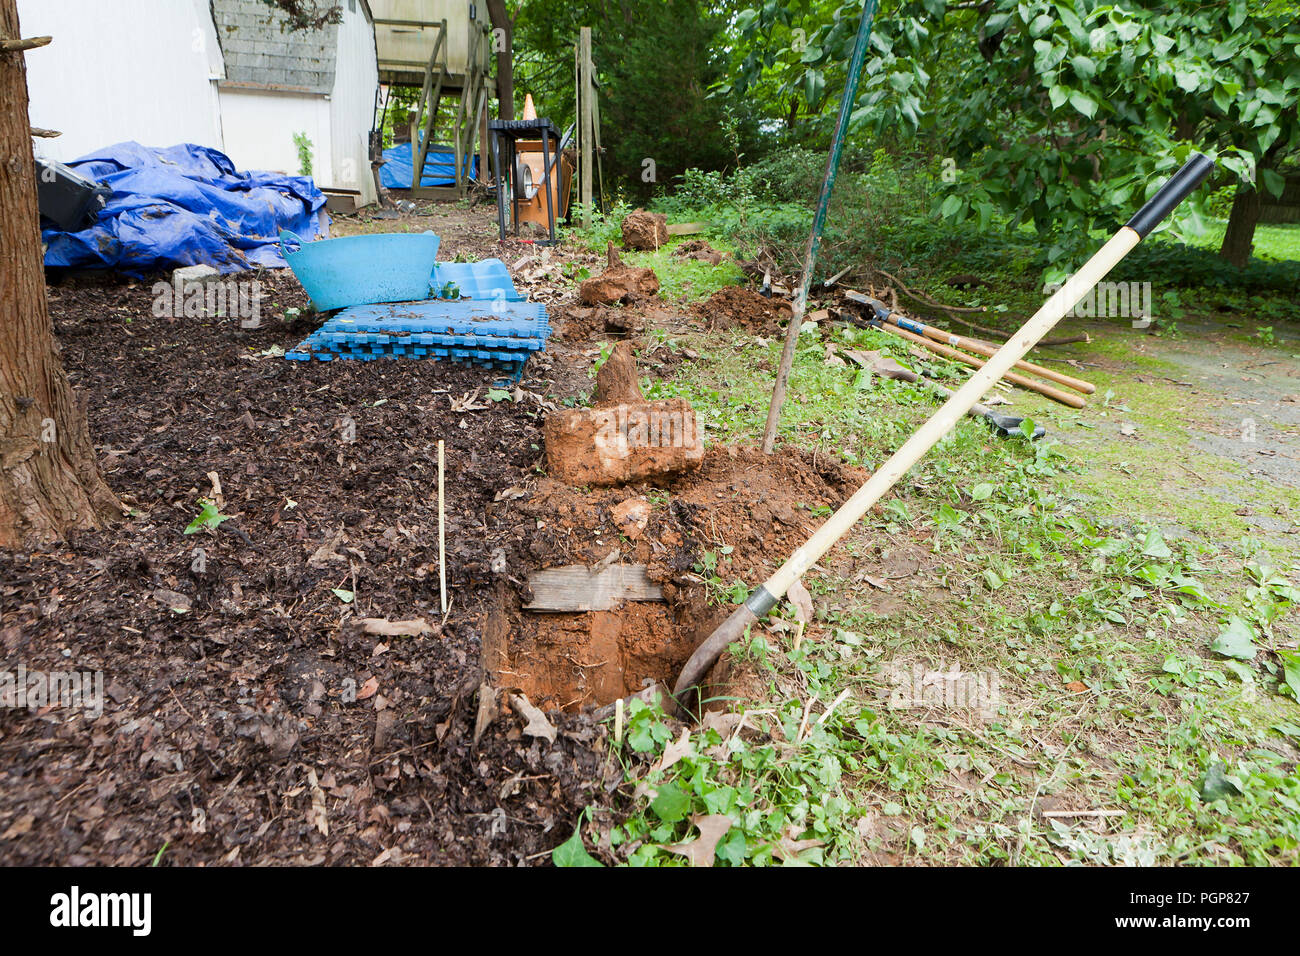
x=1052, y=113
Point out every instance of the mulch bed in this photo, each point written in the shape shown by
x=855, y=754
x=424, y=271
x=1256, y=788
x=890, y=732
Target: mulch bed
x=241, y=692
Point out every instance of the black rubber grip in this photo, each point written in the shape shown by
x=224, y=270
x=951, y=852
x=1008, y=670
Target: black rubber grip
x=1172, y=193
x=760, y=601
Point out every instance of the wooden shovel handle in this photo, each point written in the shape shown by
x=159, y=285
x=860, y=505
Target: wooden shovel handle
x=1055, y=394
x=981, y=348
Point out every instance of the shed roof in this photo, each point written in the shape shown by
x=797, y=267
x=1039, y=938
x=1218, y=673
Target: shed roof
x=260, y=51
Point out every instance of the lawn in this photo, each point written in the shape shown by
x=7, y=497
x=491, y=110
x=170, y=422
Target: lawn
x=1074, y=651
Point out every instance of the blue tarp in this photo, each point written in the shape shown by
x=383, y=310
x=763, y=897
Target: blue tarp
x=439, y=167
x=186, y=205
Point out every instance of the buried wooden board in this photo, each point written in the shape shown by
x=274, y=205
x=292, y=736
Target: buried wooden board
x=576, y=587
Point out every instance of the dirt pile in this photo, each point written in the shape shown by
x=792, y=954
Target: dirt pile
x=623, y=438
x=646, y=231
x=618, y=283
x=733, y=307
x=699, y=250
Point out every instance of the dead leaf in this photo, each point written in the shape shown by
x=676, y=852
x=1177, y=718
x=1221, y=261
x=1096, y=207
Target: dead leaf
x=385, y=724
x=487, y=709
x=317, y=815
x=216, y=494
x=327, y=551
x=788, y=848
x=180, y=603
x=831, y=357
x=801, y=600
x=20, y=827
x=724, y=722
x=675, y=751
x=701, y=850
x=368, y=689
x=511, y=493
x=416, y=627
x=538, y=725
x=468, y=402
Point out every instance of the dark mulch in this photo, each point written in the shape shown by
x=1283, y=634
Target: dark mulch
x=219, y=715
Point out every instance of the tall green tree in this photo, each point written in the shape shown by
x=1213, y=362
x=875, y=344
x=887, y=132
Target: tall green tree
x=658, y=63
x=1059, y=112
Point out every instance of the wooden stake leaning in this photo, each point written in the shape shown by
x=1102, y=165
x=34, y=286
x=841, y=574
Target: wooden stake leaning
x=442, y=534
x=766, y=596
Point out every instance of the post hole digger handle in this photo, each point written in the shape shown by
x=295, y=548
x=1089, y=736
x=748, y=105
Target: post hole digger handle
x=765, y=597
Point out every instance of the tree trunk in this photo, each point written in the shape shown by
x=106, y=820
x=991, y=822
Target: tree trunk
x=49, y=482
x=1240, y=237
x=503, y=40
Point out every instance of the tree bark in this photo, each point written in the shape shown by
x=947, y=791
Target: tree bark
x=49, y=481
x=505, y=51
x=1239, y=239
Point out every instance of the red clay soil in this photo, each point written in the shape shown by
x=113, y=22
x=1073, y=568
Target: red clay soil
x=643, y=230
x=760, y=507
x=734, y=307
x=700, y=251
x=618, y=283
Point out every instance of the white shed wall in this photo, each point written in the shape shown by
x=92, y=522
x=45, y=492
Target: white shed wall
x=142, y=70
x=352, y=104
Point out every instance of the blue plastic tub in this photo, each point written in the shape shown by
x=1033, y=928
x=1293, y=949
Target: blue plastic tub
x=360, y=270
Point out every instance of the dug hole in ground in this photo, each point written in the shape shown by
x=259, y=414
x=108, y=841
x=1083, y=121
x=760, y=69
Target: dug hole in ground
x=655, y=502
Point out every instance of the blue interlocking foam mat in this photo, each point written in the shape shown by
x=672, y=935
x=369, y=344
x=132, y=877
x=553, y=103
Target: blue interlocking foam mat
x=499, y=335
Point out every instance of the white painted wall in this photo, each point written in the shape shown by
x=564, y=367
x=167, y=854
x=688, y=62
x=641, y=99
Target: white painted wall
x=118, y=70
x=352, y=104
x=259, y=127
x=147, y=70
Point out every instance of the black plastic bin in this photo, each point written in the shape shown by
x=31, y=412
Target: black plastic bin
x=67, y=199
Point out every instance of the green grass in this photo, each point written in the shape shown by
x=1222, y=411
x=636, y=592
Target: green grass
x=1278, y=243
x=1097, y=629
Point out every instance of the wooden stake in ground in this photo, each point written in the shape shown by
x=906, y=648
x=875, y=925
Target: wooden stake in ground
x=819, y=220
x=766, y=595
x=587, y=124
x=442, y=533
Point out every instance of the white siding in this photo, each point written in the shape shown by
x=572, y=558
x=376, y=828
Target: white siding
x=118, y=70
x=260, y=125
x=352, y=105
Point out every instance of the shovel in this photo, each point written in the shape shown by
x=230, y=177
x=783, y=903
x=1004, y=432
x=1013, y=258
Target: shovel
x=766, y=595
x=1005, y=425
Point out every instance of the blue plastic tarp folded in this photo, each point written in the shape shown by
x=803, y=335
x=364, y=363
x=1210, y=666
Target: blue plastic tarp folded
x=186, y=205
x=439, y=167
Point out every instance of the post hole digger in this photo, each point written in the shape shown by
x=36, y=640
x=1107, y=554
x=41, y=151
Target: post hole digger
x=766, y=596
x=886, y=321
x=885, y=314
